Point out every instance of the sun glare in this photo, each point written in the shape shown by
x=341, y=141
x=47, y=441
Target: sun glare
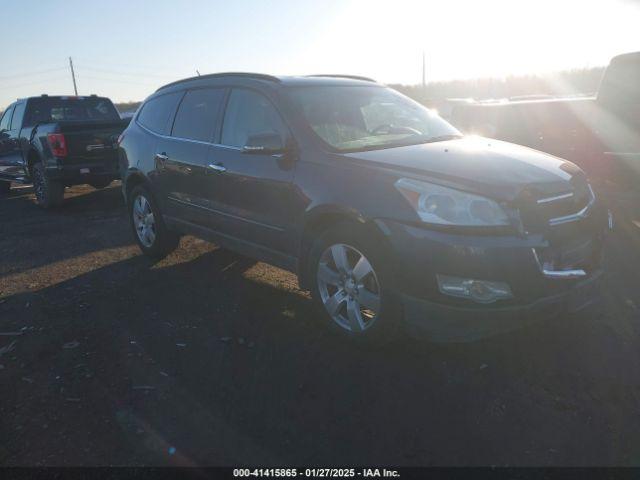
x=468, y=39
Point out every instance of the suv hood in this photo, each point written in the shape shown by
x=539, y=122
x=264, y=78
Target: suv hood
x=489, y=167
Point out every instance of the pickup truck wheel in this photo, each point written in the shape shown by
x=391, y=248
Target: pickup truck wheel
x=149, y=230
x=5, y=187
x=351, y=285
x=49, y=193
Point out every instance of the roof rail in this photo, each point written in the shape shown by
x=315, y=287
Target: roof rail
x=351, y=77
x=257, y=76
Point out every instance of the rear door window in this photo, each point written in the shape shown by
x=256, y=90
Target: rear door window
x=198, y=114
x=155, y=113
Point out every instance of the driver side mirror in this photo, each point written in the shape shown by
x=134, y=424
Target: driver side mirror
x=264, y=143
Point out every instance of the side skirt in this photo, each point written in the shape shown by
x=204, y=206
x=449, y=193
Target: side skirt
x=234, y=244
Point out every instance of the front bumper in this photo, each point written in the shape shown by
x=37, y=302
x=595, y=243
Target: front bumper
x=420, y=253
x=447, y=323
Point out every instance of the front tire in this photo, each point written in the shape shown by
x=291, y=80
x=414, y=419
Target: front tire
x=352, y=285
x=149, y=230
x=49, y=193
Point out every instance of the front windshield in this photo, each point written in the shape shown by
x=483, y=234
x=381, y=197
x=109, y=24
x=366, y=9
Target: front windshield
x=352, y=118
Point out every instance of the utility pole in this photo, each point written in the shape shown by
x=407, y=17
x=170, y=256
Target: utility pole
x=424, y=74
x=73, y=76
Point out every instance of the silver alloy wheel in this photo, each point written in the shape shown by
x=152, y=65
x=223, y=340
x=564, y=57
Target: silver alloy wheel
x=348, y=287
x=144, y=221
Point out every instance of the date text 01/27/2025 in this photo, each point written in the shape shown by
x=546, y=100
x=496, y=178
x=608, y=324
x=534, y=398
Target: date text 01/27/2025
x=315, y=472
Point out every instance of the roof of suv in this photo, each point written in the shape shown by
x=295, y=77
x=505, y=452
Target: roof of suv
x=324, y=79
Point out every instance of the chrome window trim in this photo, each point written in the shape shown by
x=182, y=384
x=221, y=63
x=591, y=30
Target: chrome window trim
x=169, y=137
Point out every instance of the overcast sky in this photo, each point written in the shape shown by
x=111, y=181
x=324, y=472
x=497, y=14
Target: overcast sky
x=125, y=49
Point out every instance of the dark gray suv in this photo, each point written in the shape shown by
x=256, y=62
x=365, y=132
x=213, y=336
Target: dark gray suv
x=385, y=211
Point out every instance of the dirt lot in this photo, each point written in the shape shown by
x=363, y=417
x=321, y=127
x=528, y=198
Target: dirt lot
x=207, y=358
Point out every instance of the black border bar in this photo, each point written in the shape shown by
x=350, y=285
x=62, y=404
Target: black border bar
x=392, y=473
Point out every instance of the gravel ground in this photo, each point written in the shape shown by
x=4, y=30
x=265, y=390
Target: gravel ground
x=209, y=358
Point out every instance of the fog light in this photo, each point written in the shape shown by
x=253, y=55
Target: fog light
x=481, y=291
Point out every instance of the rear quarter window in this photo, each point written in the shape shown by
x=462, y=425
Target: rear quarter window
x=18, y=115
x=156, y=112
x=6, y=118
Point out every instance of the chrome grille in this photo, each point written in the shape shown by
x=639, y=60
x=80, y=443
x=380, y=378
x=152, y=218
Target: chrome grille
x=583, y=212
x=571, y=247
x=543, y=211
x=568, y=206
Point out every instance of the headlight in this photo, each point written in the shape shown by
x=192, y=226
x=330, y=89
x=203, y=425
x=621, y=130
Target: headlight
x=446, y=206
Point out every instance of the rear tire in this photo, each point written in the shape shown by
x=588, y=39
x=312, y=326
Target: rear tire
x=101, y=184
x=149, y=230
x=352, y=285
x=49, y=193
x=5, y=187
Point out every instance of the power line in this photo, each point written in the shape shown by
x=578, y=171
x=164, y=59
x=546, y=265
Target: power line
x=77, y=73
x=27, y=74
x=130, y=74
x=107, y=63
x=136, y=67
x=37, y=82
x=103, y=79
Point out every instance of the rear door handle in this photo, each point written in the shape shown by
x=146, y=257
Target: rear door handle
x=217, y=168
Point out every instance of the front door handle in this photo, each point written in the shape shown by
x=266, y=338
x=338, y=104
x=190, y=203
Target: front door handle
x=161, y=159
x=217, y=168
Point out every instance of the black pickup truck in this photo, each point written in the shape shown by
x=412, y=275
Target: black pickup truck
x=601, y=133
x=56, y=141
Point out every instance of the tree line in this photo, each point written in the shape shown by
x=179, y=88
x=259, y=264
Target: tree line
x=582, y=81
